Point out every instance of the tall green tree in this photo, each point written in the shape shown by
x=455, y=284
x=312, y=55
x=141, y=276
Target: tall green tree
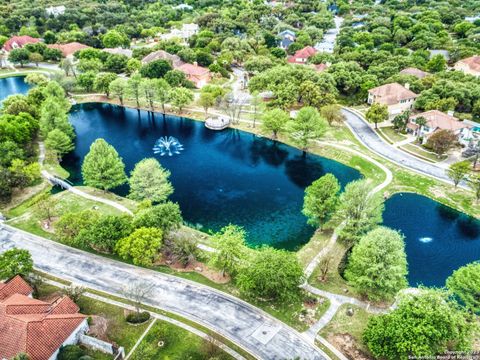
x=142, y=246
x=465, y=283
x=275, y=121
x=230, y=249
x=114, y=38
x=458, y=171
x=54, y=116
x=133, y=88
x=332, y=113
x=358, y=211
x=307, y=126
x=271, y=274
x=474, y=184
x=162, y=92
x=118, y=88
x=321, y=199
x=377, y=266
x=423, y=324
x=165, y=216
x=149, y=181
x=377, y=113
x=19, y=56
x=15, y=262
x=103, y=81
x=102, y=167
x=181, y=97
x=59, y=142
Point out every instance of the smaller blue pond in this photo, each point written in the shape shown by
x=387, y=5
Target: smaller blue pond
x=438, y=239
x=12, y=85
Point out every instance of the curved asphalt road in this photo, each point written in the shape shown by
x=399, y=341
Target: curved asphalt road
x=371, y=140
x=256, y=331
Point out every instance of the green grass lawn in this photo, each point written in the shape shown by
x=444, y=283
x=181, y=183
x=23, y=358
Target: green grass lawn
x=165, y=341
x=353, y=325
x=422, y=153
x=391, y=134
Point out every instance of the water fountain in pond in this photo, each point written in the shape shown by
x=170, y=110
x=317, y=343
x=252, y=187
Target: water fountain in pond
x=167, y=145
x=426, y=240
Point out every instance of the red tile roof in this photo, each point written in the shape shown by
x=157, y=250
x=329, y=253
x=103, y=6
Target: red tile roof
x=19, y=42
x=68, y=49
x=438, y=120
x=16, y=285
x=193, y=70
x=304, y=53
x=36, y=327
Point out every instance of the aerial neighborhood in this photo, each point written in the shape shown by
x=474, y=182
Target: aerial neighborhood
x=216, y=180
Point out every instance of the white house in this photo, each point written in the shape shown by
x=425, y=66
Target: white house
x=55, y=10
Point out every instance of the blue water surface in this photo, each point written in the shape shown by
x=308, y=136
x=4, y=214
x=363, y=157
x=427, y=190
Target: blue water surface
x=438, y=239
x=12, y=85
x=219, y=177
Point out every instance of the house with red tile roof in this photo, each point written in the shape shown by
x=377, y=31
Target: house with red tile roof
x=199, y=75
x=469, y=65
x=69, y=49
x=396, y=97
x=302, y=55
x=436, y=120
x=18, y=42
x=37, y=328
x=15, y=285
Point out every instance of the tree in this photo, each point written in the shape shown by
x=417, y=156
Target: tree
x=184, y=249
x=256, y=102
x=166, y=216
x=102, y=167
x=271, y=274
x=421, y=122
x=35, y=58
x=141, y=247
x=86, y=80
x=114, y=38
x=149, y=181
x=115, y=63
x=103, y=233
x=465, y=284
x=307, y=126
x=206, y=101
x=138, y=292
x=118, y=88
x=458, y=171
x=162, y=92
x=103, y=81
x=437, y=63
x=47, y=207
x=423, y=324
x=377, y=266
x=441, y=141
x=332, y=113
x=230, y=249
x=181, y=97
x=377, y=113
x=147, y=88
x=321, y=199
x=70, y=352
x=59, y=142
x=70, y=225
x=155, y=69
x=53, y=115
x=275, y=121
x=134, y=87
x=15, y=262
x=19, y=56
x=21, y=356
x=358, y=211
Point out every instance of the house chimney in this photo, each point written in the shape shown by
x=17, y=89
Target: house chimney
x=450, y=112
x=195, y=63
x=407, y=86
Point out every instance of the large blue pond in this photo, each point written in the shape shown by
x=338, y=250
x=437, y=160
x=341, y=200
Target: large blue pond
x=220, y=177
x=12, y=85
x=439, y=239
x=235, y=177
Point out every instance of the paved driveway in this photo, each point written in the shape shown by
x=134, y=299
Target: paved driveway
x=262, y=335
x=371, y=140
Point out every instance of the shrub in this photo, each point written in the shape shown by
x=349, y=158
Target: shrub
x=70, y=352
x=138, y=317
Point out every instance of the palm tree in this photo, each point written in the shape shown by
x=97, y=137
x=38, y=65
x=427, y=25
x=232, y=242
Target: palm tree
x=421, y=122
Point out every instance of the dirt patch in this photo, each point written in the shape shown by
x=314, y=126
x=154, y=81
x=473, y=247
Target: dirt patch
x=437, y=192
x=347, y=344
x=196, y=266
x=99, y=327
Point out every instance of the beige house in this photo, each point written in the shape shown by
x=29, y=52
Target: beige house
x=414, y=72
x=469, y=65
x=398, y=98
x=436, y=120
